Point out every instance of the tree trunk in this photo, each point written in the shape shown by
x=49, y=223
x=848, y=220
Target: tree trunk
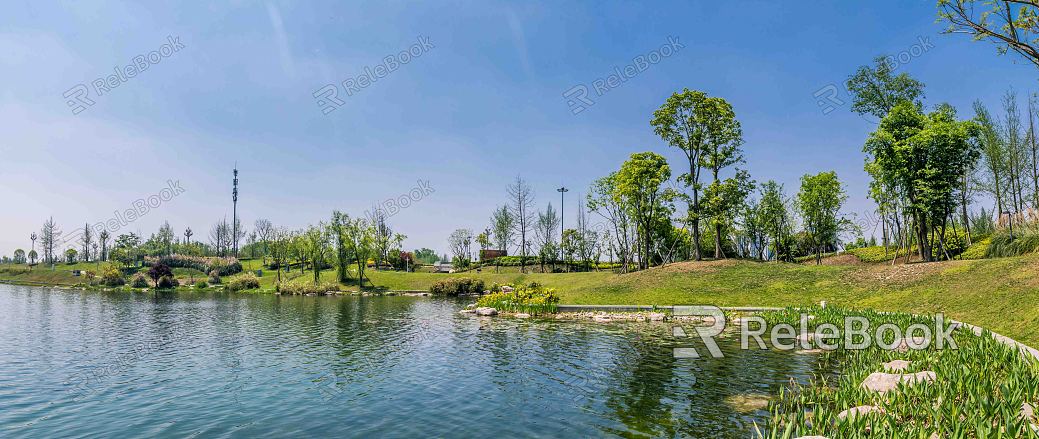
x=963, y=203
x=718, y=253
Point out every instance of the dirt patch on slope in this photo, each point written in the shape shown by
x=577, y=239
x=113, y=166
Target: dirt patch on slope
x=897, y=274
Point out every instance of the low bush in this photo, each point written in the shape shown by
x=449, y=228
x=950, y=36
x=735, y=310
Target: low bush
x=246, y=281
x=508, y=261
x=214, y=277
x=457, y=286
x=201, y=284
x=139, y=281
x=301, y=287
x=532, y=299
x=223, y=266
x=167, y=282
x=978, y=250
x=112, y=276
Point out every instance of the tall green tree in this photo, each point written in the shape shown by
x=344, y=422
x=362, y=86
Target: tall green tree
x=876, y=90
x=723, y=201
x=337, y=230
x=700, y=126
x=924, y=156
x=639, y=188
x=360, y=241
x=819, y=201
x=777, y=219
x=503, y=229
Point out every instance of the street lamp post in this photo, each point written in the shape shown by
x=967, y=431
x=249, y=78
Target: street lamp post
x=562, y=191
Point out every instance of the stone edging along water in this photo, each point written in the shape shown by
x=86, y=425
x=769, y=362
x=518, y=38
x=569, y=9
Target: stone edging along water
x=977, y=330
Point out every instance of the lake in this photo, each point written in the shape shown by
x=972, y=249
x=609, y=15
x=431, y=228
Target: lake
x=88, y=364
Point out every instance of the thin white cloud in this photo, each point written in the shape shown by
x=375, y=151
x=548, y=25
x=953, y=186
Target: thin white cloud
x=520, y=41
x=282, y=40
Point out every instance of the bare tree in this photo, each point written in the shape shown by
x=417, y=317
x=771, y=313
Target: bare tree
x=383, y=235
x=49, y=236
x=461, y=241
x=220, y=237
x=586, y=237
x=102, y=238
x=264, y=231
x=86, y=240
x=521, y=196
x=545, y=231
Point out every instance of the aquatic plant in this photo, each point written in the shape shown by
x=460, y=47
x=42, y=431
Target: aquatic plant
x=531, y=299
x=979, y=391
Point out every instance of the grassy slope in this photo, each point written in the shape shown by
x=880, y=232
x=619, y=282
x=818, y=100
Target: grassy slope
x=1000, y=294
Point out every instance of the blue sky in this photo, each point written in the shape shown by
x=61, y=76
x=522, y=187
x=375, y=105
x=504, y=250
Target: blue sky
x=484, y=104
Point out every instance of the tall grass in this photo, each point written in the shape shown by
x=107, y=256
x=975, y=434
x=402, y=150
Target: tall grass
x=1025, y=240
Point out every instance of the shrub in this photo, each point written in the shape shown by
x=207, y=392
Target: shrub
x=159, y=271
x=214, y=277
x=532, y=299
x=167, y=282
x=201, y=284
x=139, y=281
x=976, y=250
x=457, y=286
x=223, y=266
x=112, y=276
x=301, y=287
x=246, y=281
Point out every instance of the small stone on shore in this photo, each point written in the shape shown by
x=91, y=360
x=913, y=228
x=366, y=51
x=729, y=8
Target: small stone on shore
x=522, y=315
x=747, y=403
x=486, y=311
x=861, y=410
x=885, y=382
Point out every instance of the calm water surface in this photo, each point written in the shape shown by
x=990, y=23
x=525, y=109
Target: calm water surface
x=89, y=364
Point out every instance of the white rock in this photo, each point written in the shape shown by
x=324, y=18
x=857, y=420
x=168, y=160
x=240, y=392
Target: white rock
x=896, y=366
x=601, y=318
x=486, y=311
x=657, y=316
x=886, y=382
x=522, y=315
x=506, y=289
x=467, y=311
x=861, y=410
